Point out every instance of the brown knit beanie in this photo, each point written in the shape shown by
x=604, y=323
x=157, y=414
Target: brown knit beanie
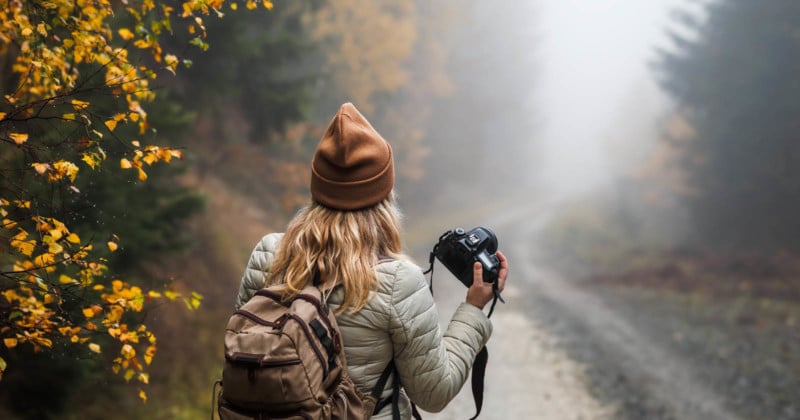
x=352, y=166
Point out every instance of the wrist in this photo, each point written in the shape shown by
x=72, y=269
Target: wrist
x=475, y=303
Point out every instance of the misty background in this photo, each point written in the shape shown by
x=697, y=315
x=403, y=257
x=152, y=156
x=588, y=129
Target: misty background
x=597, y=97
x=638, y=161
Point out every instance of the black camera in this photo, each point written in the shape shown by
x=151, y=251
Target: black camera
x=458, y=250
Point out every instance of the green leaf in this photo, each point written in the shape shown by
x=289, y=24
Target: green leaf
x=199, y=43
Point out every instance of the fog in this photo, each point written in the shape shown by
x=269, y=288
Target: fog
x=596, y=95
x=643, y=183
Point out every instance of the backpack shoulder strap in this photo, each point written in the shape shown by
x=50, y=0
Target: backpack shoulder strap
x=377, y=390
x=394, y=400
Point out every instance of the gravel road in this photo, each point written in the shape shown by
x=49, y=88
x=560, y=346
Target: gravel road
x=528, y=376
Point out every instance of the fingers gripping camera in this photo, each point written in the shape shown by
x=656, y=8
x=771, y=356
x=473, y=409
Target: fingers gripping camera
x=458, y=250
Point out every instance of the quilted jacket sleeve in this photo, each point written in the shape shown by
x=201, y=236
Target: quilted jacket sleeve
x=257, y=267
x=432, y=367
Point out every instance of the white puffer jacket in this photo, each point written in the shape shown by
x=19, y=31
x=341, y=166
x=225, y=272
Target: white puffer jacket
x=400, y=320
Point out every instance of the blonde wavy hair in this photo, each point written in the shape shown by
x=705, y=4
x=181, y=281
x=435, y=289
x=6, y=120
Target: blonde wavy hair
x=342, y=246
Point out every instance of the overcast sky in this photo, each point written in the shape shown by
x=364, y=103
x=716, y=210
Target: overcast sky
x=594, y=56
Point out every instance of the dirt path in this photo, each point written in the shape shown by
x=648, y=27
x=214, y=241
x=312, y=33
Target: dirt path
x=528, y=375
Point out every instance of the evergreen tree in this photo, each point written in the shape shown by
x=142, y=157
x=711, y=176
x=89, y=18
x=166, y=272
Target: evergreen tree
x=255, y=67
x=736, y=76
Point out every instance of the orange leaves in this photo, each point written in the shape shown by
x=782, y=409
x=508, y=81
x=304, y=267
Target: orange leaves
x=124, y=296
x=62, y=169
x=111, y=123
x=125, y=34
x=68, y=331
x=44, y=70
x=65, y=279
x=18, y=138
x=92, y=311
x=149, y=354
x=21, y=243
x=128, y=352
x=41, y=168
x=46, y=263
x=253, y=4
x=79, y=105
x=31, y=321
x=149, y=155
x=30, y=313
x=57, y=170
x=128, y=363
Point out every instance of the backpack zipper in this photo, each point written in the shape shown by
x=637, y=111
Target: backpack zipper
x=255, y=318
x=253, y=360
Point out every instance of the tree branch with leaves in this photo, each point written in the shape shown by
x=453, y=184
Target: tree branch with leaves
x=77, y=76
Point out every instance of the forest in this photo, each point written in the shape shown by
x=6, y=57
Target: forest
x=146, y=146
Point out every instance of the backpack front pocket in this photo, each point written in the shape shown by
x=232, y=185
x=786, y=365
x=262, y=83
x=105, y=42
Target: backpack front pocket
x=254, y=382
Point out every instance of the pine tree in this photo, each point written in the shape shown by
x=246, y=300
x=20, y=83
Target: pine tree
x=736, y=77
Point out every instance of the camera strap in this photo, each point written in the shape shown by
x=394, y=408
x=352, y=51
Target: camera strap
x=482, y=358
x=496, y=298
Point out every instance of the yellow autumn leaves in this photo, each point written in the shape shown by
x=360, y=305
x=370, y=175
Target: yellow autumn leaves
x=148, y=155
x=18, y=138
x=57, y=170
x=35, y=320
x=253, y=4
x=46, y=46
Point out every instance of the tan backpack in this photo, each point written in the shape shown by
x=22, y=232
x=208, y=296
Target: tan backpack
x=284, y=360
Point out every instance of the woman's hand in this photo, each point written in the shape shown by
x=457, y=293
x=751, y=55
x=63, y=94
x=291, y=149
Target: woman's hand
x=481, y=293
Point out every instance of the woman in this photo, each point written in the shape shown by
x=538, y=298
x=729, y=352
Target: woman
x=348, y=239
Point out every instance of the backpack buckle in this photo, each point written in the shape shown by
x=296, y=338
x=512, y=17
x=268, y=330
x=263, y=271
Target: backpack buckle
x=281, y=321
